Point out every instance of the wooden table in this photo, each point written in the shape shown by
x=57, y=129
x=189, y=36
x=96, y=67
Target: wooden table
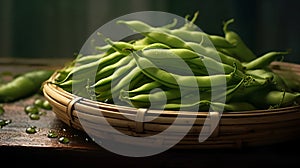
x=27, y=149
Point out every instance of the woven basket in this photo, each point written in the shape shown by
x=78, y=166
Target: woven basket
x=234, y=129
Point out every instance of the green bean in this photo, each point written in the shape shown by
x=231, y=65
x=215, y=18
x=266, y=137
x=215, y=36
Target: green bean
x=279, y=83
x=219, y=41
x=219, y=94
x=106, y=49
x=89, y=58
x=213, y=66
x=146, y=100
x=108, y=70
x=175, y=53
x=155, y=34
x=189, y=25
x=180, y=68
x=125, y=81
x=79, y=83
x=136, y=25
x=168, y=39
x=264, y=60
x=216, y=55
x=192, y=57
x=232, y=106
x=69, y=83
x=201, y=37
x=226, y=59
x=141, y=82
x=105, y=83
x=170, y=25
x=104, y=96
x=274, y=78
x=24, y=85
x=83, y=70
x=155, y=46
x=266, y=98
x=205, y=105
x=186, y=35
x=63, y=73
x=251, y=84
x=261, y=73
x=120, y=46
x=111, y=94
x=241, y=50
x=142, y=89
x=202, y=105
x=172, y=80
x=143, y=42
x=157, y=96
x=80, y=70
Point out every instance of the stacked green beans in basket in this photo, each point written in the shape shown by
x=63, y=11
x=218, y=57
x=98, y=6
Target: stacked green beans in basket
x=166, y=65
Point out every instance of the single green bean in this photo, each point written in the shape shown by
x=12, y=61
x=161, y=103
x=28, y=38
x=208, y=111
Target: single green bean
x=170, y=25
x=176, y=53
x=267, y=98
x=241, y=50
x=143, y=42
x=120, y=46
x=70, y=82
x=24, y=85
x=142, y=89
x=189, y=25
x=155, y=46
x=202, y=105
x=157, y=96
x=261, y=73
x=264, y=60
x=179, y=67
x=136, y=25
x=232, y=106
x=106, y=49
x=168, y=39
x=212, y=66
x=89, y=58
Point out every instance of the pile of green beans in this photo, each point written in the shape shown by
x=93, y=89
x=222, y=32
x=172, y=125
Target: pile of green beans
x=146, y=72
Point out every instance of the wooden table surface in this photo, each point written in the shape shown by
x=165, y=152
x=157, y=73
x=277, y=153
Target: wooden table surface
x=27, y=149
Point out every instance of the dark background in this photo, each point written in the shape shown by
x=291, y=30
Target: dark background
x=59, y=28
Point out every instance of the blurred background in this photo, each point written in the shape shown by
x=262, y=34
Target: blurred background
x=59, y=28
